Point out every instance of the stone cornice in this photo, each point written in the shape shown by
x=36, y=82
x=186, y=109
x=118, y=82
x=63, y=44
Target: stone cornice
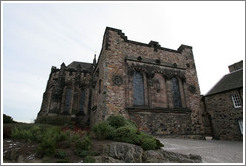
x=157, y=110
x=155, y=62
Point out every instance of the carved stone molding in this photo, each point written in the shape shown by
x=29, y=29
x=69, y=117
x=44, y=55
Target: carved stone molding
x=151, y=70
x=117, y=80
x=192, y=89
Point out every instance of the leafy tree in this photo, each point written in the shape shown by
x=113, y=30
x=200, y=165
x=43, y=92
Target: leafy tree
x=7, y=119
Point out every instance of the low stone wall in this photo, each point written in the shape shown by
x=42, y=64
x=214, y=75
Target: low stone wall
x=164, y=122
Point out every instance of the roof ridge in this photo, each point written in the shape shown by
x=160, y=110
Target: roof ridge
x=234, y=71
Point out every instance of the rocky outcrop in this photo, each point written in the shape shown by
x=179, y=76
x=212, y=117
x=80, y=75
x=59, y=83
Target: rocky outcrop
x=109, y=152
x=106, y=159
x=129, y=153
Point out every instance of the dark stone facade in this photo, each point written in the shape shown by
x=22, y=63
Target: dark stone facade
x=68, y=92
x=154, y=86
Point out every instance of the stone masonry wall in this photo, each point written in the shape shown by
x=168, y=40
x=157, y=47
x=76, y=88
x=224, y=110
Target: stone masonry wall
x=224, y=116
x=99, y=90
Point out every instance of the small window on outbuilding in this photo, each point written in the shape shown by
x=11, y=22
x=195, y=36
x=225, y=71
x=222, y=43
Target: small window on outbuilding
x=240, y=124
x=236, y=101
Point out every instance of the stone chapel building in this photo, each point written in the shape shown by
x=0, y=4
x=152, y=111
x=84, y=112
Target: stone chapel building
x=156, y=87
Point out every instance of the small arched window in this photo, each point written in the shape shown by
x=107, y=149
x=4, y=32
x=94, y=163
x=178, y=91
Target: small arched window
x=176, y=93
x=138, y=89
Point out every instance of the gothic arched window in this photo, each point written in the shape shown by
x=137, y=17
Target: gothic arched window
x=82, y=101
x=68, y=99
x=176, y=93
x=138, y=89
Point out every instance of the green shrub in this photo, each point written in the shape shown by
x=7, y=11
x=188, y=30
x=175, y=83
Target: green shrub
x=119, y=129
x=85, y=144
x=116, y=121
x=126, y=134
x=61, y=154
x=57, y=120
x=49, y=139
x=103, y=130
x=89, y=159
x=81, y=152
x=47, y=146
x=131, y=123
x=22, y=134
x=74, y=137
x=84, y=153
x=149, y=144
x=65, y=160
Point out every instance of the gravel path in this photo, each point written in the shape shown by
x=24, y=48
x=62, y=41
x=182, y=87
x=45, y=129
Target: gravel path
x=211, y=151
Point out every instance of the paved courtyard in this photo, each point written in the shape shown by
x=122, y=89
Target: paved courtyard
x=211, y=151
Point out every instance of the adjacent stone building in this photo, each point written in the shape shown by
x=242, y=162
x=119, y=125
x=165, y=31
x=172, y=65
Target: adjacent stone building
x=223, y=106
x=154, y=86
x=68, y=92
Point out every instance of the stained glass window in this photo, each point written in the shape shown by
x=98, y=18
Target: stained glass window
x=176, y=93
x=138, y=89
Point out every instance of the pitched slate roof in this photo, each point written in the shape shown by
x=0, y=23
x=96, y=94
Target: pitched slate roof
x=83, y=65
x=230, y=81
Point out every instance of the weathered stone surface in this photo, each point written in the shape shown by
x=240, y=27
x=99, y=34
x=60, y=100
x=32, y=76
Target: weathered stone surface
x=12, y=154
x=154, y=156
x=181, y=158
x=129, y=153
x=161, y=156
x=106, y=159
x=224, y=116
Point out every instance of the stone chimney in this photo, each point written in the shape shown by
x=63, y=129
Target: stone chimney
x=236, y=66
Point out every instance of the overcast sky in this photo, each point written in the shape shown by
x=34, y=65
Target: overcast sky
x=37, y=36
